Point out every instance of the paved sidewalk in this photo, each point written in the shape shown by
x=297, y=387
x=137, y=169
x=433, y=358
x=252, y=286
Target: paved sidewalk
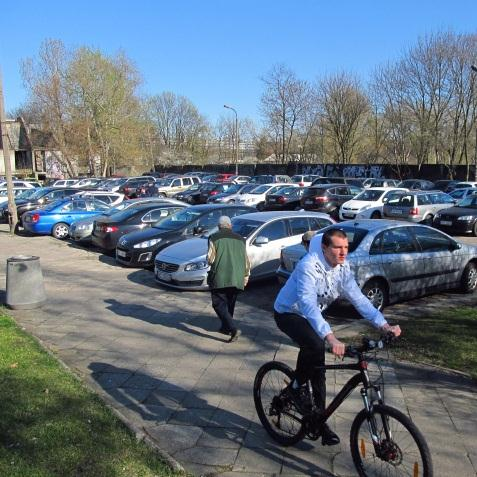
x=154, y=355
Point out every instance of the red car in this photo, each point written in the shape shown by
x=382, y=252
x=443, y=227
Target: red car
x=225, y=177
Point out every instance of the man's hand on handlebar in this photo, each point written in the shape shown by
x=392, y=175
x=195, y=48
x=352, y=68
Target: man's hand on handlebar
x=394, y=329
x=337, y=347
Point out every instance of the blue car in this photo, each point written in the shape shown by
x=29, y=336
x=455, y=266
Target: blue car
x=56, y=218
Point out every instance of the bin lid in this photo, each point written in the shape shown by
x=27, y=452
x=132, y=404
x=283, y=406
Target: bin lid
x=22, y=258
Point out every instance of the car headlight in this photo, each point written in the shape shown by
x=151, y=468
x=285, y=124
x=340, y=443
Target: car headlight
x=466, y=217
x=196, y=266
x=147, y=243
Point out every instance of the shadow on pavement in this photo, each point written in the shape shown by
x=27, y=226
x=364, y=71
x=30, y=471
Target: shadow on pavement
x=208, y=323
x=194, y=422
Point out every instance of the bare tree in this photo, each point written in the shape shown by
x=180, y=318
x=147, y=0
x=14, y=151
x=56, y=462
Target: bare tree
x=283, y=105
x=344, y=107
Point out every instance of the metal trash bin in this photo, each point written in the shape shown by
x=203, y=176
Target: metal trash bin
x=25, y=289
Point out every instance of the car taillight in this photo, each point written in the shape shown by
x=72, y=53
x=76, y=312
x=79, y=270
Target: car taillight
x=321, y=198
x=414, y=211
x=281, y=199
x=214, y=192
x=301, y=184
x=35, y=217
x=110, y=228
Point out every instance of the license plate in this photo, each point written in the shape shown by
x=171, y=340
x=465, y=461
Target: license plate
x=308, y=201
x=272, y=200
x=163, y=276
x=396, y=212
x=120, y=253
x=348, y=216
x=446, y=222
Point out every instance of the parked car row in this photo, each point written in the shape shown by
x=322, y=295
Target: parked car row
x=393, y=259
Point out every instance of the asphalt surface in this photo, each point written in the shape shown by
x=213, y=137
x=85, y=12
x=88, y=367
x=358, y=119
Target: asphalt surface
x=155, y=357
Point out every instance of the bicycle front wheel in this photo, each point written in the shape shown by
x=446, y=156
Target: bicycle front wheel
x=400, y=448
x=274, y=407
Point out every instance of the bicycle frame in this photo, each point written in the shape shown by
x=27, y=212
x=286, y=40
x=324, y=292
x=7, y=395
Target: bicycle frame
x=361, y=377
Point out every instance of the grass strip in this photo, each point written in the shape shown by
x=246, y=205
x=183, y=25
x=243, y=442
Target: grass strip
x=52, y=425
x=447, y=338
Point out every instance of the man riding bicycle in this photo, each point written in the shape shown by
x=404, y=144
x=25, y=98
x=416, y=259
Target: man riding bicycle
x=320, y=277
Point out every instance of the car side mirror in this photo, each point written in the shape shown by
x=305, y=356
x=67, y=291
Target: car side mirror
x=198, y=229
x=455, y=246
x=259, y=241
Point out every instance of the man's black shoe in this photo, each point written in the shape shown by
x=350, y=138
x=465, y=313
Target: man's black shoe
x=224, y=331
x=328, y=437
x=234, y=335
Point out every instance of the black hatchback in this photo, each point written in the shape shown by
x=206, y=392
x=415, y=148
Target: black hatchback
x=460, y=219
x=287, y=198
x=107, y=230
x=139, y=249
x=328, y=198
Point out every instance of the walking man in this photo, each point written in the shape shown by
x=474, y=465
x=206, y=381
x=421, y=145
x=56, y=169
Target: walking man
x=228, y=275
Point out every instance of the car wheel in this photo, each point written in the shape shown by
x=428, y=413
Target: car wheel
x=60, y=231
x=474, y=229
x=161, y=194
x=231, y=201
x=468, y=282
x=375, y=215
x=376, y=292
x=428, y=220
x=261, y=206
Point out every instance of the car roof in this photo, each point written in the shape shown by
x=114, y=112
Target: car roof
x=328, y=186
x=270, y=215
x=372, y=224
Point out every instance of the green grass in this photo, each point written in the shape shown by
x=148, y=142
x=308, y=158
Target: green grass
x=447, y=338
x=51, y=425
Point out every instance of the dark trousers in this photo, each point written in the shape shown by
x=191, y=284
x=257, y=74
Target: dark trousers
x=223, y=302
x=312, y=352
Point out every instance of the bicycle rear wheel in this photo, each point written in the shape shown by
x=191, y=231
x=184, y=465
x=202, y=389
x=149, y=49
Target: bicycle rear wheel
x=274, y=406
x=401, y=448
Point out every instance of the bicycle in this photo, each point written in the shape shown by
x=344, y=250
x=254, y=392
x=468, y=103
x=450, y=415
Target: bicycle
x=383, y=440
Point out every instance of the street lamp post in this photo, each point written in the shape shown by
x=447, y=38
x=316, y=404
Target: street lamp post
x=474, y=70
x=236, y=138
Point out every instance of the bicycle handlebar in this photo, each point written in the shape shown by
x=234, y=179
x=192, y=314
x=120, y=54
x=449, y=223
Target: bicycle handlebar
x=369, y=344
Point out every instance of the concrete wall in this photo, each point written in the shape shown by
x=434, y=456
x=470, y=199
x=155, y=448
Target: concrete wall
x=2, y=162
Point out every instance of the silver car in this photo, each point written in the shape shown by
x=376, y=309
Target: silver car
x=394, y=261
x=417, y=206
x=184, y=265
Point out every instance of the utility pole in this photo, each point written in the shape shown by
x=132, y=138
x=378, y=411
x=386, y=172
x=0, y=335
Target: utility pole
x=236, y=138
x=8, y=167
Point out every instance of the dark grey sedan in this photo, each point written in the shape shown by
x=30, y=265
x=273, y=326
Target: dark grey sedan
x=394, y=261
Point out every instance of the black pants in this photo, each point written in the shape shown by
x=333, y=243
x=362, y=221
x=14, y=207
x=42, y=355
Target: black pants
x=223, y=302
x=312, y=352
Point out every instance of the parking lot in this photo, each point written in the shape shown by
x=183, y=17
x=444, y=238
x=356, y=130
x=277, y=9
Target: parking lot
x=154, y=355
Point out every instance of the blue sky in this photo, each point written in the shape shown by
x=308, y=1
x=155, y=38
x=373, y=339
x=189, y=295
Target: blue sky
x=215, y=52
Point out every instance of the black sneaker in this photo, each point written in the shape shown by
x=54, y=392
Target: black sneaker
x=328, y=437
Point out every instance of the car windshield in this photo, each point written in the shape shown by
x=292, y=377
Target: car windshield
x=179, y=219
x=209, y=187
x=287, y=190
x=26, y=194
x=38, y=193
x=245, y=227
x=233, y=188
x=164, y=182
x=53, y=205
x=369, y=195
x=249, y=187
x=469, y=202
x=260, y=190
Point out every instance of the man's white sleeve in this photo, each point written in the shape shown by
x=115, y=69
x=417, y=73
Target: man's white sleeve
x=308, y=300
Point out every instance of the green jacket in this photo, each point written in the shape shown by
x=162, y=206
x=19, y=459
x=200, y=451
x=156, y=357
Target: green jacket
x=229, y=266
